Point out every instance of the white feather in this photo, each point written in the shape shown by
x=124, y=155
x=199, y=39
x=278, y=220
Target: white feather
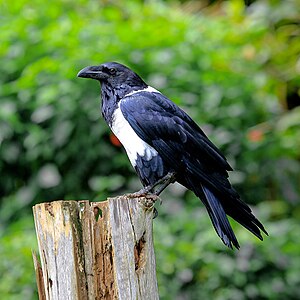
x=132, y=143
x=147, y=89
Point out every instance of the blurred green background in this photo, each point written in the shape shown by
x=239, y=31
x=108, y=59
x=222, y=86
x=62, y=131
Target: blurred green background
x=233, y=66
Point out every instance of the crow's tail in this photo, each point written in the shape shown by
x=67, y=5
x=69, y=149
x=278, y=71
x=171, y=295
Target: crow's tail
x=218, y=207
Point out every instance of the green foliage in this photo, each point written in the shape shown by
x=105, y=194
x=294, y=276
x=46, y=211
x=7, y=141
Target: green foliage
x=195, y=265
x=234, y=69
x=17, y=277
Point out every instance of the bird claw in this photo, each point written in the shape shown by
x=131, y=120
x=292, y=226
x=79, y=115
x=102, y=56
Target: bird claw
x=148, y=196
x=153, y=198
x=136, y=195
x=147, y=200
x=141, y=193
x=155, y=213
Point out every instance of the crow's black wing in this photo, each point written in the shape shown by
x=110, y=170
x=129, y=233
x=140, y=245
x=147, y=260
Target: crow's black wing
x=176, y=137
x=199, y=164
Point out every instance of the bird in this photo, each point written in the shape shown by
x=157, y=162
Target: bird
x=165, y=145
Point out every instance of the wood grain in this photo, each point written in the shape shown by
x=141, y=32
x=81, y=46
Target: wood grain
x=96, y=250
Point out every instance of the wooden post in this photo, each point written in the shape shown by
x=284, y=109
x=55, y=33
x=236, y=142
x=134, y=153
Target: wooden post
x=97, y=250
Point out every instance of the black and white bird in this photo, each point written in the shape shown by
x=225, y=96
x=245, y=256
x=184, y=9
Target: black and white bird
x=165, y=145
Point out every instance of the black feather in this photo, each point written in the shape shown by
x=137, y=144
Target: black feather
x=179, y=144
x=201, y=167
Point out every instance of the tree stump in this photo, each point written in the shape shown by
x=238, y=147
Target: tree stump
x=96, y=250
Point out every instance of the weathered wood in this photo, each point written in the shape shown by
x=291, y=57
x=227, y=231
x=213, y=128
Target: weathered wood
x=97, y=250
x=39, y=277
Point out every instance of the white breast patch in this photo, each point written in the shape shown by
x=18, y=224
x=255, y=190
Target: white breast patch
x=132, y=143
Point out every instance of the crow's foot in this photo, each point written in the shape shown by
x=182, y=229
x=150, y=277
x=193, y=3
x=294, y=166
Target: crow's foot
x=146, y=195
x=147, y=199
x=155, y=213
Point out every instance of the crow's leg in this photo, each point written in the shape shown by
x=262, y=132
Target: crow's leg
x=162, y=183
x=168, y=179
x=149, y=192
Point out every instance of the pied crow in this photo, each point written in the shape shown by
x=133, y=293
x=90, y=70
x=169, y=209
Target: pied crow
x=165, y=145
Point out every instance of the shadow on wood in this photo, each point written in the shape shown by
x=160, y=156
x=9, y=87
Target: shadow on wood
x=95, y=250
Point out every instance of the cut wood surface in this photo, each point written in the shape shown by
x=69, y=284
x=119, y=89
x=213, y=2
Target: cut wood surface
x=96, y=250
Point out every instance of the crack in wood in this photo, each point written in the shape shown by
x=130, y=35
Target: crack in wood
x=139, y=253
x=49, y=208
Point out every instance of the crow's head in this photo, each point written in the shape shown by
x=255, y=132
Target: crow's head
x=112, y=74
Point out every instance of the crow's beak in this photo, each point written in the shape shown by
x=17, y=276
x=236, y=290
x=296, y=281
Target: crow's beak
x=92, y=72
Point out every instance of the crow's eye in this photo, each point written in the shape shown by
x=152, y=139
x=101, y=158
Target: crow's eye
x=112, y=71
